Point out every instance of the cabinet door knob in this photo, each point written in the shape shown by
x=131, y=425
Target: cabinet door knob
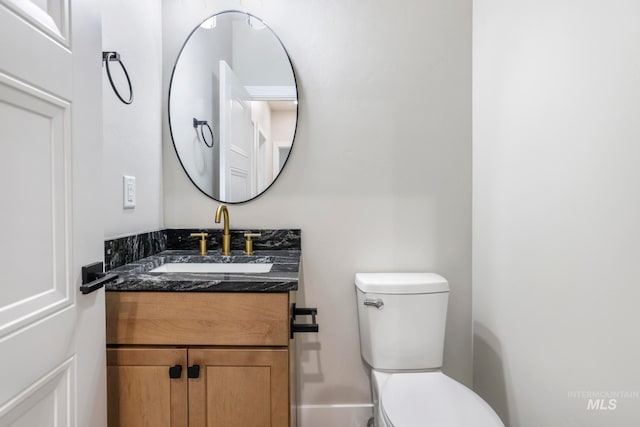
x=193, y=371
x=175, y=372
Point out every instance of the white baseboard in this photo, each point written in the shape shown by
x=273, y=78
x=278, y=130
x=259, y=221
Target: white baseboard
x=334, y=415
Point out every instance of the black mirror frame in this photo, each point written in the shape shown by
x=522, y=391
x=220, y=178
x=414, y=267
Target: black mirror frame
x=295, y=81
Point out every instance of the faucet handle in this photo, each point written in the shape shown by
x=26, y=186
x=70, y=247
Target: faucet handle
x=203, y=241
x=248, y=244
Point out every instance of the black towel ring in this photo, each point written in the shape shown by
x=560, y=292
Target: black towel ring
x=202, y=124
x=115, y=56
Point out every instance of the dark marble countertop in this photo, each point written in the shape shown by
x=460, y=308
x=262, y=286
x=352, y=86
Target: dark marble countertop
x=283, y=276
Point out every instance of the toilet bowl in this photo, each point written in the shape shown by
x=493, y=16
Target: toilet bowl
x=429, y=399
x=402, y=319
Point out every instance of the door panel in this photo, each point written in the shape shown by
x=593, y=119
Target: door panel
x=45, y=403
x=141, y=394
x=23, y=352
x=232, y=389
x=49, y=16
x=34, y=55
x=35, y=149
x=239, y=181
x=239, y=388
x=236, y=138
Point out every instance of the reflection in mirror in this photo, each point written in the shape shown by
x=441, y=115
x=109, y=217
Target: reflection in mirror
x=233, y=107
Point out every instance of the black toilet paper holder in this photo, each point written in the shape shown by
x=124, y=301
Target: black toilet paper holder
x=303, y=327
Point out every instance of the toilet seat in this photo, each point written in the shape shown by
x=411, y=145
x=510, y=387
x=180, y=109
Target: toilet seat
x=432, y=399
x=387, y=421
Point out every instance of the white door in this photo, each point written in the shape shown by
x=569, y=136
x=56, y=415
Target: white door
x=52, y=338
x=236, y=138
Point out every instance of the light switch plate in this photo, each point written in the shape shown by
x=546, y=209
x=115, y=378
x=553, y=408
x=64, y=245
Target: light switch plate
x=129, y=192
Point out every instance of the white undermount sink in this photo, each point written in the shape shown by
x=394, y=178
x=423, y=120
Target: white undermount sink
x=188, y=267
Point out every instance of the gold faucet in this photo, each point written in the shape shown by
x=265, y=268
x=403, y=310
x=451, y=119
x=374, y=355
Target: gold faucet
x=226, y=237
x=203, y=242
x=248, y=244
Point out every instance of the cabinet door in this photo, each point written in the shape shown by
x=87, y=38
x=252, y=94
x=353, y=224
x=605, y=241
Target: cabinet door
x=239, y=388
x=141, y=392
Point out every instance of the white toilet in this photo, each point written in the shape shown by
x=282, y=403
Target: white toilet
x=402, y=322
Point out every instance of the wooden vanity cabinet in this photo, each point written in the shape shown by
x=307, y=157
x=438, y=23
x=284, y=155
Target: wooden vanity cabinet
x=239, y=342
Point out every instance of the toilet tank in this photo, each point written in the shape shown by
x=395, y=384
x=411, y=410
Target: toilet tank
x=402, y=319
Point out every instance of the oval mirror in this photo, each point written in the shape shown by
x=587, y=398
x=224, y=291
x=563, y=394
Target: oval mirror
x=233, y=107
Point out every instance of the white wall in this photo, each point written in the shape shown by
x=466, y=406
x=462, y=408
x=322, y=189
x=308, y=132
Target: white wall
x=379, y=177
x=131, y=133
x=556, y=209
x=283, y=125
x=258, y=58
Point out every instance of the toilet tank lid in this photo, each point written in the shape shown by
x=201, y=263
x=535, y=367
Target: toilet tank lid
x=401, y=283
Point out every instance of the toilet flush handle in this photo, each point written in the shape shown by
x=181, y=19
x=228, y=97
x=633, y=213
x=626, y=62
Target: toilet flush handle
x=377, y=303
